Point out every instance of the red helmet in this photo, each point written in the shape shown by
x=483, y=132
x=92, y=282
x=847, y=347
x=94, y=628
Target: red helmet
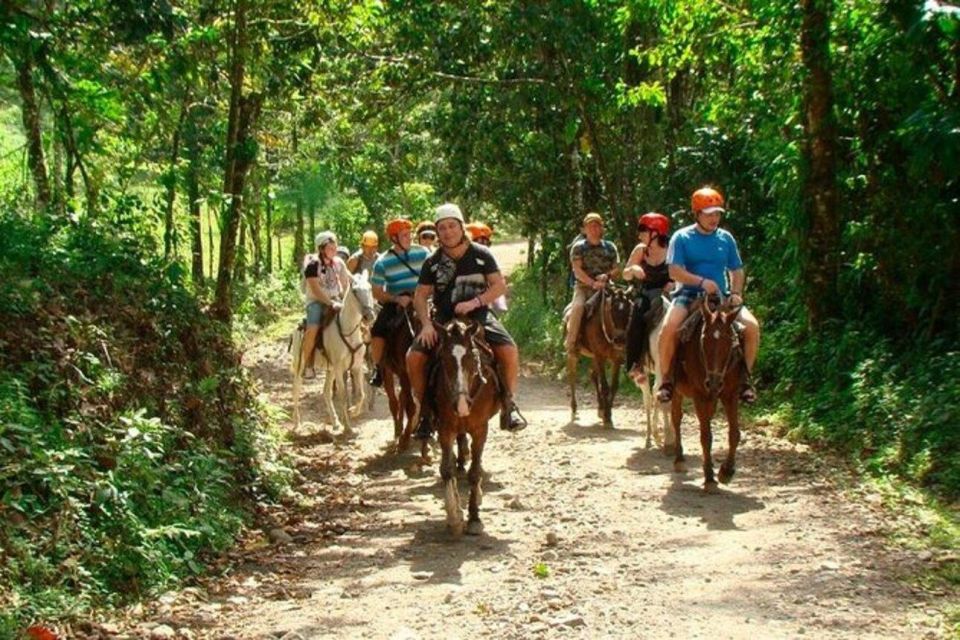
x=706, y=198
x=656, y=222
x=398, y=225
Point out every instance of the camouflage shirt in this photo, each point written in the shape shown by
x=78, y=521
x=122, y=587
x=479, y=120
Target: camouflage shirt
x=597, y=259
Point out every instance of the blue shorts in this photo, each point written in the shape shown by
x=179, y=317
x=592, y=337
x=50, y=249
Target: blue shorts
x=685, y=298
x=314, y=314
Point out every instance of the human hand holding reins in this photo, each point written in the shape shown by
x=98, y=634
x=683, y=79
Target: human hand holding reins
x=428, y=336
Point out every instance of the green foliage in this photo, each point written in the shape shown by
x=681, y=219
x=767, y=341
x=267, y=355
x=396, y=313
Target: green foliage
x=131, y=443
x=534, y=322
x=895, y=410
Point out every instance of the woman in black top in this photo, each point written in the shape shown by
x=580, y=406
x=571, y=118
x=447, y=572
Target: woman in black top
x=648, y=266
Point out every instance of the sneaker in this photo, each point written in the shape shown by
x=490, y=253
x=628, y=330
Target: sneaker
x=748, y=395
x=424, y=429
x=376, y=380
x=513, y=420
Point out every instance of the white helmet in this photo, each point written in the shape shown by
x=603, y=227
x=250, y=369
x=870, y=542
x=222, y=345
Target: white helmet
x=325, y=237
x=448, y=210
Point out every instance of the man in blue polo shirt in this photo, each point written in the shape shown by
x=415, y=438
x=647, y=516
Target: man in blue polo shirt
x=395, y=276
x=699, y=257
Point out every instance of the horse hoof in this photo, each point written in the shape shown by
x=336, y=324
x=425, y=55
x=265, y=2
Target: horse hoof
x=669, y=450
x=455, y=529
x=474, y=528
x=726, y=473
x=710, y=487
x=680, y=467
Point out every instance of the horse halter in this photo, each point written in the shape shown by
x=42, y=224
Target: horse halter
x=717, y=373
x=619, y=335
x=343, y=336
x=478, y=379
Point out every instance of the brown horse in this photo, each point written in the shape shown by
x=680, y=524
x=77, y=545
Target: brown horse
x=603, y=336
x=395, y=371
x=708, y=367
x=466, y=395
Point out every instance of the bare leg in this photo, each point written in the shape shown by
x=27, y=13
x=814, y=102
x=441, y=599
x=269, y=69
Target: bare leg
x=309, y=347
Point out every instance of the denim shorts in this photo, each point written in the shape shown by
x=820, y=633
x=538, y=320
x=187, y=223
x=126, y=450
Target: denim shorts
x=314, y=314
x=685, y=298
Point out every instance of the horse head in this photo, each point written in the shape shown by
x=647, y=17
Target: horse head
x=462, y=373
x=361, y=289
x=617, y=311
x=719, y=344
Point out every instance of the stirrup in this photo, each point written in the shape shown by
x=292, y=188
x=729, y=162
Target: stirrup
x=513, y=420
x=665, y=392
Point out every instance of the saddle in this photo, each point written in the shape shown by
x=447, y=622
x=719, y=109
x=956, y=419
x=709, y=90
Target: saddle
x=591, y=305
x=691, y=326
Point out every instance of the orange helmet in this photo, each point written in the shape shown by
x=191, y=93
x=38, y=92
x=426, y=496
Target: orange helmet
x=398, y=225
x=479, y=230
x=706, y=199
x=655, y=222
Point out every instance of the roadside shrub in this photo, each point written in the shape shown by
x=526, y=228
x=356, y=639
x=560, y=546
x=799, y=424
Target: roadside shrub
x=132, y=445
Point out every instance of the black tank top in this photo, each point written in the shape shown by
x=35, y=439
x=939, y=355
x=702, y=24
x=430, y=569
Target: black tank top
x=658, y=275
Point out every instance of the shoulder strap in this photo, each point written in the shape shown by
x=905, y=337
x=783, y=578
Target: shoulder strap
x=405, y=263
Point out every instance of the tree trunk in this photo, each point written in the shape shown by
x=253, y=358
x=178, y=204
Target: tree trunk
x=240, y=265
x=31, y=126
x=313, y=221
x=241, y=151
x=169, y=230
x=268, y=232
x=209, y=242
x=819, y=235
x=298, y=231
x=253, y=222
x=193, y=194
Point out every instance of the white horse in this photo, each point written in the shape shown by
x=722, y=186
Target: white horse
x=658, y=414
x=343, y=351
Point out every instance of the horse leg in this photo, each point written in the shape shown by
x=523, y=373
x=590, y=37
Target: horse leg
x=463, y=450
x=572, y=382
x=731, y=405
x=648, y=409
x=297, y=384
x=341, y=398
x=448, y=474
x=676, y=416
x=394, y=403
x=597, y=390
x=704, y=413
x=474, y=526
x=356, y=372
x=328, y=379
x=614, y=385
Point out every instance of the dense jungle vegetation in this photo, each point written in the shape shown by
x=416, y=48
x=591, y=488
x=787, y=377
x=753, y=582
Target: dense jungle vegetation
x=165, y=163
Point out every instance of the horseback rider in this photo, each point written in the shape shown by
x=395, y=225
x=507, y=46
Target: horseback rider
x=366, y=256
x=481, y=233
x=648, y=265
x=426, y=234
x=464, y=279
x=325, y=280
x=699, y=257
x=395, y=275
x=594, y=262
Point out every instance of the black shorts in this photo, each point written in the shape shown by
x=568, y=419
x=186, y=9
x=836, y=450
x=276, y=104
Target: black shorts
x=494, y=332
x=388, y=321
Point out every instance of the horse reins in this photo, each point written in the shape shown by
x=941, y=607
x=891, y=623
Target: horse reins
x=343, y=336
x=734, y=347
x=603, y=317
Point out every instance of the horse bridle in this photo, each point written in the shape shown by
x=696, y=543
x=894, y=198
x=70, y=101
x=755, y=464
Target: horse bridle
x=603, y=318
x=344, y=336
x=478, y=382
x=734, y=346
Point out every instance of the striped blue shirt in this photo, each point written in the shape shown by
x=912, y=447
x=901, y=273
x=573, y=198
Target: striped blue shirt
x=393, y=275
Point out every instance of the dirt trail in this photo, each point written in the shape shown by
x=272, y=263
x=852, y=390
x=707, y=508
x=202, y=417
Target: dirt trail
x=634, y=550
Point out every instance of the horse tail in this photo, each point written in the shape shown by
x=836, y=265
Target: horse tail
x=295, y=346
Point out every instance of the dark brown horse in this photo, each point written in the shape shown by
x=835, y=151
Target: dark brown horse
x=708, y=367
x=395, y=371
x=466, y=395
x=603, y=336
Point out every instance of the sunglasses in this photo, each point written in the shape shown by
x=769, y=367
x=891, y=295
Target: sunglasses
x=427, y=235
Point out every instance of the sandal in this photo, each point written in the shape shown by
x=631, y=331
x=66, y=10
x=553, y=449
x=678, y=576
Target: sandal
x=665, y=392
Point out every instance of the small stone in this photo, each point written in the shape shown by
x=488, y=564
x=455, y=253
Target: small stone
x=925, y=556
x=549, y=556
x=829, y=565
x=405, y=633
x=238, y=600
x=185, y=634
x=552, y=539
x=421, y=575
x=516, y=504
x=568, y=620
x=278, y=536
x=292, y=635
x=162, y=632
